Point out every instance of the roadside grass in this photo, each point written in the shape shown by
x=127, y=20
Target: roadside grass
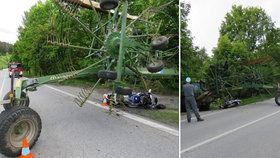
x=167, y=116
x=255, y=99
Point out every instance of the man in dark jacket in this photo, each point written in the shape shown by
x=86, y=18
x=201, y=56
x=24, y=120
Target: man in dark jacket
x=190, y=101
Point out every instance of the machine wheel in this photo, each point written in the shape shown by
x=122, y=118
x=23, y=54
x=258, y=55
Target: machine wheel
x=107, y=75
x=159, y=43
x=18, y=103
x=108, y=4
x=155, y=66
x=123, y=91
x=277, y=99
x=16, y=124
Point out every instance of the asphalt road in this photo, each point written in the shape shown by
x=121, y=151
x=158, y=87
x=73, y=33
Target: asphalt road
x=242, y=132
x=73, y=132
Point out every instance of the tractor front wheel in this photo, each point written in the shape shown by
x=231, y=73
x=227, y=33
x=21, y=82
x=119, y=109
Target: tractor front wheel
x=18, y=123
x=277, y=99
x=24, y=102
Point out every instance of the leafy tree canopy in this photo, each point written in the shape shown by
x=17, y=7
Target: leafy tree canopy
x=5, y=47
x=248, y=24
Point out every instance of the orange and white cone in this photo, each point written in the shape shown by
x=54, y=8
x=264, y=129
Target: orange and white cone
x=26, y=153
x=105, y=100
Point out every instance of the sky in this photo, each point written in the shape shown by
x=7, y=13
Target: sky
x=206, y=17
x=11, y=15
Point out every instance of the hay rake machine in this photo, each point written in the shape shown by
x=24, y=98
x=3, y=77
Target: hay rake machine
x=116, y=45
x=228, y=86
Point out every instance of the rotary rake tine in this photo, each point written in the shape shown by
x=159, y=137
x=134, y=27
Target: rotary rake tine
x=84, y=95
x=70, y=9
x=69, y=12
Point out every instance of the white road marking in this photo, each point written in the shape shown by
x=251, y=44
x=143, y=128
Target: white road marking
x=227, y=133
x=127, y=115
x=2, y=86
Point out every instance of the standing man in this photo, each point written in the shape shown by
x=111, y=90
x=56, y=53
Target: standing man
x=190, y=101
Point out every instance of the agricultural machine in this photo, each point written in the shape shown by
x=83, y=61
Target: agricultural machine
x=225, y=82
x=117, y=43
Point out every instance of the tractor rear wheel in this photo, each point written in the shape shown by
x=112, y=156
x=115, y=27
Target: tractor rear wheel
x=107, y=75
x=108, y=4
x=24, y=102
x=155, y=66
x=123, y=91
x=18, y=123
x=277, y=99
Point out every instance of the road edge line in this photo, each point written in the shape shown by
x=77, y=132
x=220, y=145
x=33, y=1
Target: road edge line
x=227, y=133
x=127, y=115
x=2, y=86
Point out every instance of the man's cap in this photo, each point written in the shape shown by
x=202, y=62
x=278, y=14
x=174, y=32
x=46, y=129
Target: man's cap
x=188, y=79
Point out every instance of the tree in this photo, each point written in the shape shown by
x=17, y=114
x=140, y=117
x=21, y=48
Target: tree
x=248, y=24
x=192, y=58
x=41, y=59
x=5, y=47
x=247, y=34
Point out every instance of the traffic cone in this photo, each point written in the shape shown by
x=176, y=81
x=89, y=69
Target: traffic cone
x=26, y=153
x=105, y=100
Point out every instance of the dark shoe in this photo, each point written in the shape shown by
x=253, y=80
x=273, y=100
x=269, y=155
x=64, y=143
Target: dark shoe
x=200, y=119
x=189, y=120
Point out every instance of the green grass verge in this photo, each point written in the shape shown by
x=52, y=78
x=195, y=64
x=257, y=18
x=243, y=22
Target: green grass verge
x=255, y=99
x=166, y=116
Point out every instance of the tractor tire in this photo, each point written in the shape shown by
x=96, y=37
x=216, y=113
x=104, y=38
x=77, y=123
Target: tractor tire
x=155, y=66
x=108, y=4
x=123, y=91
x=159, y=43
x=15, y=124
x=25, y=102
x=107, y=75
x=277, y=99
